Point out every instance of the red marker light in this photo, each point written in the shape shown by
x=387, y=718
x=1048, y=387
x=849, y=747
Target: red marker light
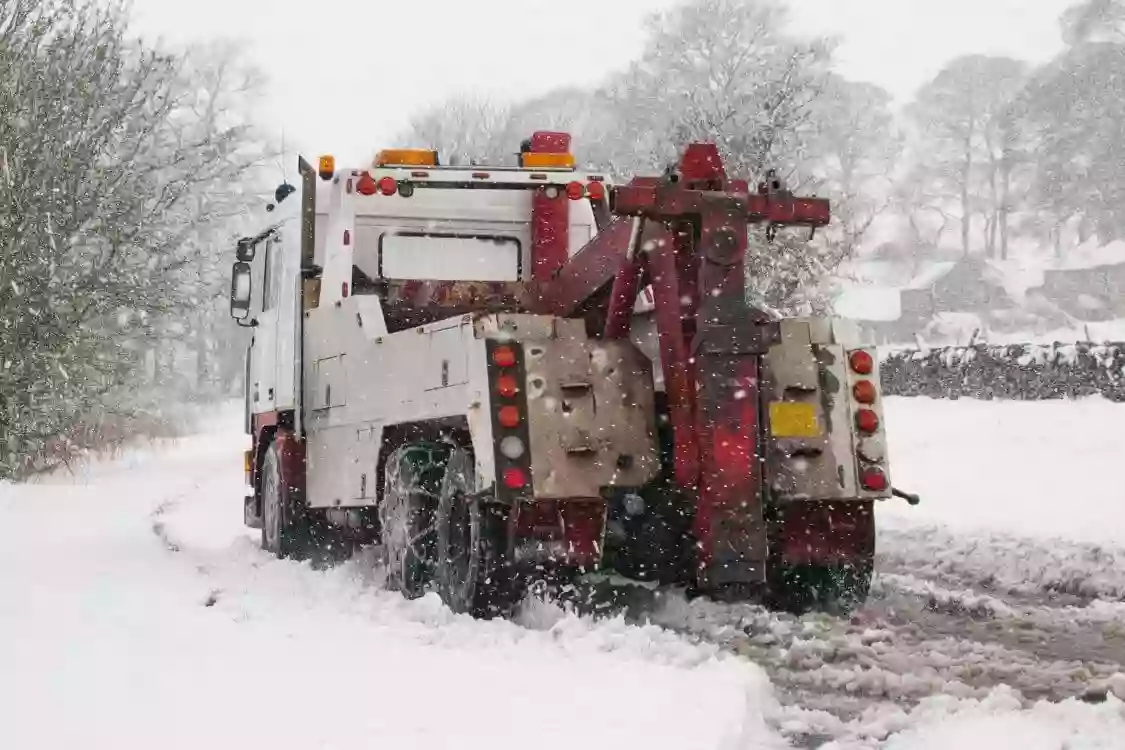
x=873, y=480
x=503, y=356
x=508, y=416
x=596, y=191
x=514, y=478
x=864, y=392
x=366, y=185
x=866, y=421
x=506, y=386
x=388, y=186
x=861, y=362
x=575, y=190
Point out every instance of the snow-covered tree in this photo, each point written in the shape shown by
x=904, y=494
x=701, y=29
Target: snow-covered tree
x=1072, y=110
x=115, y=161
x=961, y=155
x=465, y=130
x=726, y=71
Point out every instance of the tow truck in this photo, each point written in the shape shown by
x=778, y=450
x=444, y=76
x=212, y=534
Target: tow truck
x=501, y=375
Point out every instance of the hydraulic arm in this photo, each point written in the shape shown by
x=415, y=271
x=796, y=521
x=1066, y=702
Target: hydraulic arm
x=686, y=234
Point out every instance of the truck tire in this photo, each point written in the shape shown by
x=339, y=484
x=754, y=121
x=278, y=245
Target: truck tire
x=474, y=574
x=283, y=525
x=840, y=581
x=412, y=484
x=289, y=528
x=835, y=589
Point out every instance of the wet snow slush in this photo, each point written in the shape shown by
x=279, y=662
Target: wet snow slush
x=137, y=612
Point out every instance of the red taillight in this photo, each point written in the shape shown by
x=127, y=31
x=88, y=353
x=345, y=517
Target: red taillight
x=366, y=185
x=864, y=392
x=862, y=363
x=344, y=289
x=596, y=191
x=873, y=480
x=508, y=416
x=866, y=421
x=387, y=185
x=575, y=190
x=503, y=356
x=506, y=386
x=514, y=478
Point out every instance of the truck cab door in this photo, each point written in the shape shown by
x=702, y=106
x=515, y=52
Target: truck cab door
x=263, y=365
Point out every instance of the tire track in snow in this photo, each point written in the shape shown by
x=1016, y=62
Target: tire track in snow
x=158, y=524
x=915, y=638
x=1037, y=571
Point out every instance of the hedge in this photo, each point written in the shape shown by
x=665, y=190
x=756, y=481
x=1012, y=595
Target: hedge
x=1027, y=372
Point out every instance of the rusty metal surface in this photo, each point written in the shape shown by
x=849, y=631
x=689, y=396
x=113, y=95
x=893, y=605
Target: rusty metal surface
x=591, y=415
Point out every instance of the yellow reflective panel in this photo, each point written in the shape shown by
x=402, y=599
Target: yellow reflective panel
x=794, y=420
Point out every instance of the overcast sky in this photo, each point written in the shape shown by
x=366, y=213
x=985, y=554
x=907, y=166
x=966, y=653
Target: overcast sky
x=345, y=74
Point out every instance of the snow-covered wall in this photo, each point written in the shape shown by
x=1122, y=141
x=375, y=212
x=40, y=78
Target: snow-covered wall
x=1018, y=371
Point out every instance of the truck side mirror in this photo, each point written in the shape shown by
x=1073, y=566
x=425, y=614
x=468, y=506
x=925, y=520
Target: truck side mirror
x=245, y=249
x=240, y=286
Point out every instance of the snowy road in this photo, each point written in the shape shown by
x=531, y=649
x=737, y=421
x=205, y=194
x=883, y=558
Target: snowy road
x=136, y=612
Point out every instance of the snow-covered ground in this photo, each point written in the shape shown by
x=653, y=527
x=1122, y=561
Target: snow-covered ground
x=136, y=611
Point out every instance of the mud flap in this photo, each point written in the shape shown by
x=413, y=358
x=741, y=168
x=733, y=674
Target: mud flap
x=250, y=515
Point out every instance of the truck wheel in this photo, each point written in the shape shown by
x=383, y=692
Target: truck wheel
x=837, y=583
x=283, y=532
x=411, y=487
x=473, y=571
x=289, y=528
x=836, y=589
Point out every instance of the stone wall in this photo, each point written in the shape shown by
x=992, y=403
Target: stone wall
x=1021, y=371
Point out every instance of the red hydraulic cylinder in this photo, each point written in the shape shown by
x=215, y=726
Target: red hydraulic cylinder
x=550, y=216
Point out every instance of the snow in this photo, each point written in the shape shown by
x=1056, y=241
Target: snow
x=928, y=277
x=1090, y=255
x=869, y=303
x=1033, y=469
x=137, y=645
x=137, y=607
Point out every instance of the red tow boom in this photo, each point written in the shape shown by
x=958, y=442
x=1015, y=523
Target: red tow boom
x=686, y=235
